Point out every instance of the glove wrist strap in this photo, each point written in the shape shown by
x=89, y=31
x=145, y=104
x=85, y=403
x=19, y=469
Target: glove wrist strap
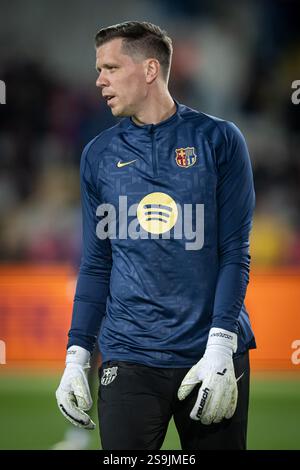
x=218, y=337
x=78, y=355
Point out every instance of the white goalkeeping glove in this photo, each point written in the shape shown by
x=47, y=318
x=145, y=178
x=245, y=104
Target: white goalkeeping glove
x=217, y=396
x=73, y=394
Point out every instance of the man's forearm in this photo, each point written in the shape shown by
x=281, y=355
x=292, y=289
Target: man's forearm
x=88, y=310
x=230, y=292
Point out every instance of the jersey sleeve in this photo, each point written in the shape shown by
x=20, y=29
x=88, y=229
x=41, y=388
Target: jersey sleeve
x=94, y=274
x=236, y=200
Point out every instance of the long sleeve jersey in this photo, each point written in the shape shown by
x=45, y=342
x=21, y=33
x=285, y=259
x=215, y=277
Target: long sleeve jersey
x=167, y=211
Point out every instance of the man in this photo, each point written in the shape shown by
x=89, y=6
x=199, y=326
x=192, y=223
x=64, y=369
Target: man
x=167, y=198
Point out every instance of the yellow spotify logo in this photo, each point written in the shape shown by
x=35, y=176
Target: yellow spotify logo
x=157, y=213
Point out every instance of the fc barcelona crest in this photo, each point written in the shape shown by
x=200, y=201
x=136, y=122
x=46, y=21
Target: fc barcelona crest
x=186, y=157
x=109, y=375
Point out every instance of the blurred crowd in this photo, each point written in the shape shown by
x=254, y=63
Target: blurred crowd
x=44, y=127
x=235, y=60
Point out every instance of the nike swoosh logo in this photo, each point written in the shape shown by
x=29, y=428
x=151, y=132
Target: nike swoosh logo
x=240, y=376
x=121, y=164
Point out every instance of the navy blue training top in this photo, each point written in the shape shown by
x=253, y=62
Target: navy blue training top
x=167, y=211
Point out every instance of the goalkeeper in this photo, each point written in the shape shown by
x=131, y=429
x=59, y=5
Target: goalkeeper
x=167, y=198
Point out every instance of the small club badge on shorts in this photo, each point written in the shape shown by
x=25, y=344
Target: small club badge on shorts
x=109, y=375
x=185, y=157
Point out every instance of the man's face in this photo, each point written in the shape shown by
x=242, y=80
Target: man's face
x=122, y=80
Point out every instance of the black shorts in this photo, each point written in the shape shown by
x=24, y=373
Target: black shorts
x=136, y=403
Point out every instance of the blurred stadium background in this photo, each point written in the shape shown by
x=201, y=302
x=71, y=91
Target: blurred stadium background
x=233, y=59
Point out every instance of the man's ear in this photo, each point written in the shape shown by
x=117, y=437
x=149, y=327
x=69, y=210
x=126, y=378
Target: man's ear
x=152, y=68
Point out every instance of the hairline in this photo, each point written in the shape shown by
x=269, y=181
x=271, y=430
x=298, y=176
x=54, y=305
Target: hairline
x=134, y=54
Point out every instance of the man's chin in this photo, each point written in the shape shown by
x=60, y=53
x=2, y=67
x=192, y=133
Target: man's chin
x=119, y=112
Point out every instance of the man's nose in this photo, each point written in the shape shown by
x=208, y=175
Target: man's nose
x=101, y=81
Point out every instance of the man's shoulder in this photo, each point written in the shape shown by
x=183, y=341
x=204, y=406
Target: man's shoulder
x=100, y=141
x=214, y=128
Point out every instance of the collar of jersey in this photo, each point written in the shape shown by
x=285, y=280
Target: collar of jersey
x=167, y=122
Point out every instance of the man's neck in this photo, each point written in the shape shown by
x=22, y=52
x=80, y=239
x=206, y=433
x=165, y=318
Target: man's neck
x=156, y=110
